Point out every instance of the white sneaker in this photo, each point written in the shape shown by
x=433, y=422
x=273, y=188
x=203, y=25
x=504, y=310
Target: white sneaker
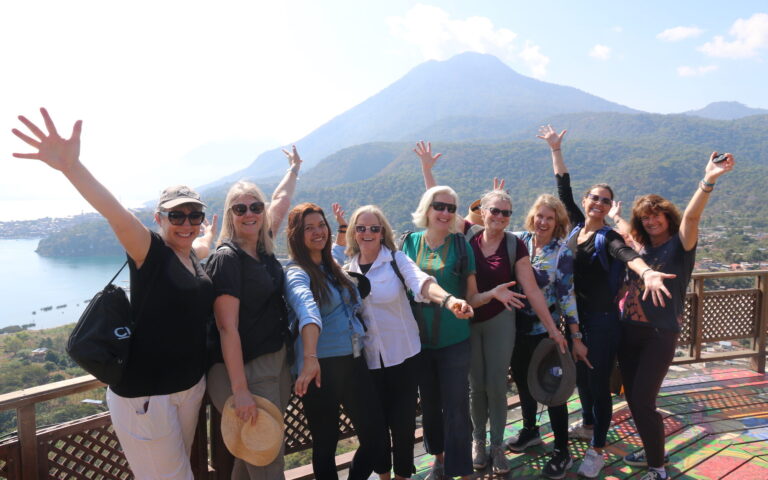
x=580, y=432
x=592, y=464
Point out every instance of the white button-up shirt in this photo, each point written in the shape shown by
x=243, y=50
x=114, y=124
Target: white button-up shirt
x=392, y=335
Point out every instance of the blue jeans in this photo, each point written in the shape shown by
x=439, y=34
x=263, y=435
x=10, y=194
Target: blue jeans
x=601, y=336
x=444, y=392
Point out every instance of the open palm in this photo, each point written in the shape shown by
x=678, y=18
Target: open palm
x=59, y=153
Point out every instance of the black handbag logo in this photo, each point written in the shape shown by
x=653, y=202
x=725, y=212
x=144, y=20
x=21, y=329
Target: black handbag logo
x=122, y=333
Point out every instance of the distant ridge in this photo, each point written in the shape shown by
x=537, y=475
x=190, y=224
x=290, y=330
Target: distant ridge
x=435, y=93
x=726, y=111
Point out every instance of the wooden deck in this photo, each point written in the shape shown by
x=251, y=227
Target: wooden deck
x=716, y=419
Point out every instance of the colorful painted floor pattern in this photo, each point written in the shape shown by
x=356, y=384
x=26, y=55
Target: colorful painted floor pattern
x=716, y=421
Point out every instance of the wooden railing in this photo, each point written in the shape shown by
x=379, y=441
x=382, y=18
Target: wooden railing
x=88, y=448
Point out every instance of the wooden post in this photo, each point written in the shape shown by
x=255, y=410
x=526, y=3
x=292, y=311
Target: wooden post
x=25, y=417
x=758, y=361
x=698, y=332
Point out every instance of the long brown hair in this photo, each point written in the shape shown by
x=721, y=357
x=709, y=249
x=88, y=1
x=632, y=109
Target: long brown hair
x=653, y=204
x=299, y=253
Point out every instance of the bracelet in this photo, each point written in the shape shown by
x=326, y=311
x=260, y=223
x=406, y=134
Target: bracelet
x=445, y=300
x=293, y=169
x=706, y=184
x=310, y=355
x=642, y=275
x=555, y=150
x=704, y=188
x=342, y=229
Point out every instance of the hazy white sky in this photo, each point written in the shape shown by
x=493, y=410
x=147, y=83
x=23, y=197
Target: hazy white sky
x=187, y=92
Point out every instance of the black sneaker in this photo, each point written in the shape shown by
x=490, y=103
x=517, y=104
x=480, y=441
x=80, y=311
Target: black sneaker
x=558, y=464
x=527, y=437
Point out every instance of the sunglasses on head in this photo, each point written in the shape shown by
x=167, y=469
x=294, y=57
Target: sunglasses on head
x=598, y=198
x=372, y=228
x=442, y=206
x=239, y=209
x=176, y=217
x=495, y=211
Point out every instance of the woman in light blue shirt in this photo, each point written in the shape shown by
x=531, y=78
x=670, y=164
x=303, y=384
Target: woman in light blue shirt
x=332, y=371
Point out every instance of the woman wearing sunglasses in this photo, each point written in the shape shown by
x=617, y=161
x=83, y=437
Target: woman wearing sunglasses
x=596, y=290
x=492, y=331
x=249, y=355
x=332, y=370
x=649, y=332
x=155, y=406
x=392, y=342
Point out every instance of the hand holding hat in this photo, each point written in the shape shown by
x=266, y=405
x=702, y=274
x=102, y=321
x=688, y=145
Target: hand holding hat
x=257, y=441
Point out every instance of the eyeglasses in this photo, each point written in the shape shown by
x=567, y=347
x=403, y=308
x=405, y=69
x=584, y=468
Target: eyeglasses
x=239, y=209
x=597, y=198
x=177, y=217
x=372, y=228
x=495, y=211
x=442, y=206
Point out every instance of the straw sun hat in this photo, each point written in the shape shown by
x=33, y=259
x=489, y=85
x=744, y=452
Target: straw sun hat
x=259, y=442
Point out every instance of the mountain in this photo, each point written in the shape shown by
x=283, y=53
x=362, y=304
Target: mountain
x=726, y=111
x=429, y=100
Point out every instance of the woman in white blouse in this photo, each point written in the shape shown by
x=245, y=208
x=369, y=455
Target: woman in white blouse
x=391, y=343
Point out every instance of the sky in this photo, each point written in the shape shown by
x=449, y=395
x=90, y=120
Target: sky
x=188, y=91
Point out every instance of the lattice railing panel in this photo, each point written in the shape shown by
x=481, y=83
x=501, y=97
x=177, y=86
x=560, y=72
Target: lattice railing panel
x=730, y=315
x=84, y=449
x=687, y=321
x=10, y=459
x=297, y=436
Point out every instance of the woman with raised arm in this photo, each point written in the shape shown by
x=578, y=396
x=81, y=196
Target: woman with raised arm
x=250, y=354
x=392, y=342
x=600, y=252
x=155, y=406
x=649, y=332
x=492, y=330
x=552, y=261
x=332, y=370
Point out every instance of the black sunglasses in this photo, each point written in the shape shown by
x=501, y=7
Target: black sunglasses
x=177, y=217
x=441, y=206
x=239, y=209
x=495, y=211
x=372, y=228
x=597, y=198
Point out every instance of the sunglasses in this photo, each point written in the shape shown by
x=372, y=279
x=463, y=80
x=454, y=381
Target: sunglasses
x=372, y=228
x=597, y=198
x=495, y=211
x=442, y=206
x=176, y=217
x=239, y=209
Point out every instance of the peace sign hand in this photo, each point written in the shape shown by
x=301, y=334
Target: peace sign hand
x=59, y=153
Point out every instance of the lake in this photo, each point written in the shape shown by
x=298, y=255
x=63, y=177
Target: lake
x=29, y=283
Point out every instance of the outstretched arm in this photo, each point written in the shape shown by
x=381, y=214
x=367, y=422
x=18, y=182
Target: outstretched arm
x=63, y=154
x=281, y=197
x=689, y=226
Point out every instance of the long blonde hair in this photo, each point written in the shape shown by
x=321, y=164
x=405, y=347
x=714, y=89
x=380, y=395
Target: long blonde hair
x=265, y=243
x=562, y=224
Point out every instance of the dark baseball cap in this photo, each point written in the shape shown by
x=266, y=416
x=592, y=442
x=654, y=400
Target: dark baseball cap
x=178, y=195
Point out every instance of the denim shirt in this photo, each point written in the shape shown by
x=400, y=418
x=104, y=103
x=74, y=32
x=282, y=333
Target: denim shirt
x=336, y=317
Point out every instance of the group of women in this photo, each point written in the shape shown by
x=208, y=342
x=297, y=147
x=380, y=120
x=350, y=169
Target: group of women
x=436, y=318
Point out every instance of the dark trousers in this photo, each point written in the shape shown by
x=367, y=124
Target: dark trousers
x=644, y=357
x=396, y=388
x=344, y=381
x=558, y=416
x=601, y=336
x=444, y=392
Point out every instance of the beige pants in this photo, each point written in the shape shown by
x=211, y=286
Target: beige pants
x=156, y=432
x=268, y=376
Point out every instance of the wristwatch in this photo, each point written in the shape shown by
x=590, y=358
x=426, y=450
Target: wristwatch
x=577, y=335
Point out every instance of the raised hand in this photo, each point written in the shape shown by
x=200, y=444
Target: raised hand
x=548, y=134
x=57, y=152
x=294, y=160
x=615, y=210
x=714, y=170
x=424, y=152
x=338, y=213
x=498, y=183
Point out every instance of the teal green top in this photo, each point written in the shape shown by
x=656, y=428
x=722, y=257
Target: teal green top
x=440, y=263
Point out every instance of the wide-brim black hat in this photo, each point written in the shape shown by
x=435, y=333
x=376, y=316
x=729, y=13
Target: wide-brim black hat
x=551, y=374
x=362, y=282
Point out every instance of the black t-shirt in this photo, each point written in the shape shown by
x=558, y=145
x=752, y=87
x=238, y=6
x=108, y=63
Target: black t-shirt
x=669, y=257
x=171, y=308
x=591, y=281
x=259, y=285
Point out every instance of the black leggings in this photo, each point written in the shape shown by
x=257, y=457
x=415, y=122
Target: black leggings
x=345, y=381
x=558, y=416
x=645, y=355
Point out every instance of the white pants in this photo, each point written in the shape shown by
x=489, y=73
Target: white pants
x=156, y=432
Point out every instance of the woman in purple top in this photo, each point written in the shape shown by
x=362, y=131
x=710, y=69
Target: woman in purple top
x=649, y=331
